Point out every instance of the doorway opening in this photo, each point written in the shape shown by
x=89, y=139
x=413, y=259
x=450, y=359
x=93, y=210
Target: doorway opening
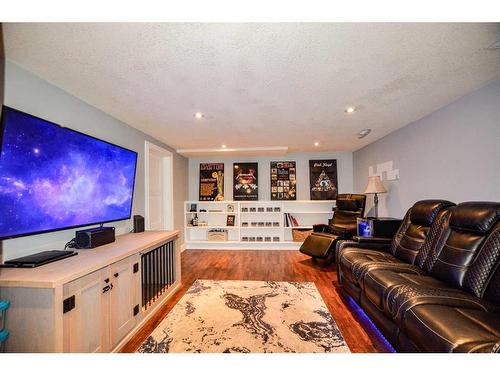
x=159, y=205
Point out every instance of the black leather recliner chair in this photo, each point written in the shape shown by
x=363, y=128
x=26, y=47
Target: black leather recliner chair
x=343, y=225
x=436, y=286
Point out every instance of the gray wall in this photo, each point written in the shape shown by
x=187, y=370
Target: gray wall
x=29, y=93
x=453, y=153
x=344, y=173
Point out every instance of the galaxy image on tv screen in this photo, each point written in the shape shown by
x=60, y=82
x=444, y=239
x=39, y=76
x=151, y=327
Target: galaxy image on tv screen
x=53, y=178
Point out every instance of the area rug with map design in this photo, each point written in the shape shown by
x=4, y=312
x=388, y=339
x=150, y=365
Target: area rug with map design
x=247, y=317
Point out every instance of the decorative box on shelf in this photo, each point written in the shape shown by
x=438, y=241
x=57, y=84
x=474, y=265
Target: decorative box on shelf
x=217, y=235
x=299, y=235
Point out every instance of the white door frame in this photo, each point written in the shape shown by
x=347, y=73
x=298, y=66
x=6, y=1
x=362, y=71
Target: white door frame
x=168, y=184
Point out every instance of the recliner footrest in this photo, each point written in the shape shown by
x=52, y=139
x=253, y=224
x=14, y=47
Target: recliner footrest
x=319, y=245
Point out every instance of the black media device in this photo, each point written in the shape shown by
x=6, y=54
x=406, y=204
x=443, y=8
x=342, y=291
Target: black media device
x=383, y=227
x=138, y=224
x=386, y=227
x=94, y=237
x=39, y=259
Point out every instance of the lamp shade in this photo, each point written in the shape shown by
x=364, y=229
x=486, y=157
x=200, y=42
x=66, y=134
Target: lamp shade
x=375, y=185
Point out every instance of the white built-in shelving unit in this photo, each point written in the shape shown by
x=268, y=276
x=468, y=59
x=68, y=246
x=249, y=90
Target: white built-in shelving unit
x=257, y=224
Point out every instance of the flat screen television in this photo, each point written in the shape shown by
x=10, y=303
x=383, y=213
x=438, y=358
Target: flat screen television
x=54, y=178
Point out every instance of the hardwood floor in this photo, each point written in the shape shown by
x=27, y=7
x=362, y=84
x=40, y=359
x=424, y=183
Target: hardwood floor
x=269, y=265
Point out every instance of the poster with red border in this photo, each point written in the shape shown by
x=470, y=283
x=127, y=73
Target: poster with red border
x=245, y=181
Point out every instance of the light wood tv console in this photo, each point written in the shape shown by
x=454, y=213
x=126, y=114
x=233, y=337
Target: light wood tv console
x=98, y=318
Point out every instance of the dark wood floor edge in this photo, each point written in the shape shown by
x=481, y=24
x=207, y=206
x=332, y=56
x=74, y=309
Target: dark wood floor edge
x=130, y=346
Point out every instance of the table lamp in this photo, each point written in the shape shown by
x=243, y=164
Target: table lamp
x=375, y=186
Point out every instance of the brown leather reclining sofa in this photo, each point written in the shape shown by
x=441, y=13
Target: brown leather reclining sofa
x=436, y=286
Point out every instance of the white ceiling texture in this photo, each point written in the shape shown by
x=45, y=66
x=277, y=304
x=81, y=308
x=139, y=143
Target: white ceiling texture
x=261, y=85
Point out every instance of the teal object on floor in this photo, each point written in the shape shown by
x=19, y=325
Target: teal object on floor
x=4, y=304
x=4, y=334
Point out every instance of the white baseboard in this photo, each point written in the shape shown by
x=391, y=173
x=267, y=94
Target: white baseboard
x=207, y=245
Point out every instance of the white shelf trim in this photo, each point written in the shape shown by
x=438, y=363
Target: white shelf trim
x=250, y=227
x=207, y=212
x=212, y=227
x=208, y=242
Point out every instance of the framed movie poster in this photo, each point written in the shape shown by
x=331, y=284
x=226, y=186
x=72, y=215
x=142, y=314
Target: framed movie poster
x=211, y=181
x=283, y=181
x=245, y=182
x=323, y=179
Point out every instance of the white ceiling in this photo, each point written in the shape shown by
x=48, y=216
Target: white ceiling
x=261, y=85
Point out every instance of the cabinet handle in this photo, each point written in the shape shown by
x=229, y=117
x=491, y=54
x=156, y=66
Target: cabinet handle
x=106, y=289
x=116, y=274
x=68, y=304
x=106, y=280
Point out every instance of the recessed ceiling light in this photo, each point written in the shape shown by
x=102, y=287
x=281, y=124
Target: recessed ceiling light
x=363, y=133
x=198, y=115
x=223, y=146
x=316, y=144
x=350, y=109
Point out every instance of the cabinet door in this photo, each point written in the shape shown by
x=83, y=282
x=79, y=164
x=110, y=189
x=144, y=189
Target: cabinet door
x=122, y=299
x=86, y=324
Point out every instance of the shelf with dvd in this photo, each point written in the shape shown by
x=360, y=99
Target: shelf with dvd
x=258, y=220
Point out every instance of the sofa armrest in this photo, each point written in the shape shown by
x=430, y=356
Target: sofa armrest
x=339, y=247
x=330, y=229
x=320, y=228
x=344, y=244
x=377, y=246
x=372, y=240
